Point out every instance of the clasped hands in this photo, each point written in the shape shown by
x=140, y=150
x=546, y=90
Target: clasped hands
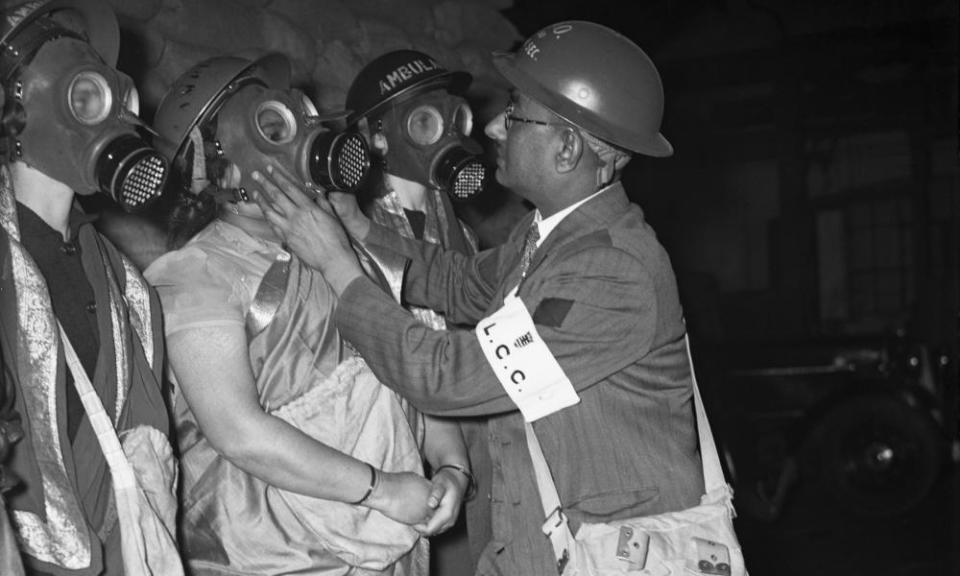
x=431, y=507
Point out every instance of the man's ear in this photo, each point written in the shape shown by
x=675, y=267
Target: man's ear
x=571, y=150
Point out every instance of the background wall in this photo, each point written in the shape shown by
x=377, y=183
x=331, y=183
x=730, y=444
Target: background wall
x=328, y=41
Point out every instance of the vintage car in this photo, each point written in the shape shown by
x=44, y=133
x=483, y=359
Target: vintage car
x=858, y=420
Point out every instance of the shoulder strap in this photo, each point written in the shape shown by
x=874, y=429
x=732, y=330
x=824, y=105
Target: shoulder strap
x=120, y=468
x=712, y=471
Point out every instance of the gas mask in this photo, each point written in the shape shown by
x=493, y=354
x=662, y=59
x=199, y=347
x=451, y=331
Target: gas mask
x=259, y=127
x=428, y=142
x=80, y=119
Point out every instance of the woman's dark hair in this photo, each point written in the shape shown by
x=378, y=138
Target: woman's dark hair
x=190, y=212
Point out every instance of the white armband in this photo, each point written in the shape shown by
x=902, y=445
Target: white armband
x=522, y=362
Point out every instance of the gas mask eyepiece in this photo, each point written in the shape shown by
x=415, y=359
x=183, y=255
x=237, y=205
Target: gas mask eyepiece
x=339, y=161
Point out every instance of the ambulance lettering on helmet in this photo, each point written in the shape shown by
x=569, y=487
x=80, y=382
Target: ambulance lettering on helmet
x=382, y=80
x=15, y=16
x=387, y=84
x=400, y=75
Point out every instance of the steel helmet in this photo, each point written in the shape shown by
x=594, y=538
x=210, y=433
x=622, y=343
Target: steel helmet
x=93, y=19
x=218, y=86
x=399, y=74
x=198, y=94
x=596, y=79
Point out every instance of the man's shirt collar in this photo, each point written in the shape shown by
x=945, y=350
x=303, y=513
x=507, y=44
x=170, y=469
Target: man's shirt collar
x=546, y=225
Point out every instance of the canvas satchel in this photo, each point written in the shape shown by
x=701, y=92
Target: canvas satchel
x=698, y=540
x=144, y=476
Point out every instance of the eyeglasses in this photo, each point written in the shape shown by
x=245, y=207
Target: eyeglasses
x=509, y=119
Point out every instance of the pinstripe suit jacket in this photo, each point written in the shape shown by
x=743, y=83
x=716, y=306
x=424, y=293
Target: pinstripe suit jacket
x=603, y=296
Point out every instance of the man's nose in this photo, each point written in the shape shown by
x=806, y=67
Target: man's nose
x=494, y=128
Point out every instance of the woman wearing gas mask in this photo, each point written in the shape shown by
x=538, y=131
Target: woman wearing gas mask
x=412, y=112
x=69, y=129
x=295, y=458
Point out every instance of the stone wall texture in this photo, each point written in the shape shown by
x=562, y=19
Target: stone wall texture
x=327, y=41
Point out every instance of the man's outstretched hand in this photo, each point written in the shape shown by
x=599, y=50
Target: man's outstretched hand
x=309, y=227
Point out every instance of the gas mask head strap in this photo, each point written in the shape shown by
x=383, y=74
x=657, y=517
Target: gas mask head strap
x=198, y=176
x=17, y=54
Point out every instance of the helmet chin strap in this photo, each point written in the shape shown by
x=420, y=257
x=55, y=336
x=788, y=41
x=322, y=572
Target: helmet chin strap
x=200, y=183
x=198, y=178
x=234, y=195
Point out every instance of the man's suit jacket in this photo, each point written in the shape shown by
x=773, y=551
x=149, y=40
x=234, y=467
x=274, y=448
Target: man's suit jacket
x=603, y=297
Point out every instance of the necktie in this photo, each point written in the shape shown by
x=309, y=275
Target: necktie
x=529, y=247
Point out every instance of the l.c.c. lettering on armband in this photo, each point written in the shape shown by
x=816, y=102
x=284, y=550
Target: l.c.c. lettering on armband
x=523, y=363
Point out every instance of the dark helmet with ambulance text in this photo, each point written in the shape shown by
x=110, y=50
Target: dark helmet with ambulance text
x=418, y=105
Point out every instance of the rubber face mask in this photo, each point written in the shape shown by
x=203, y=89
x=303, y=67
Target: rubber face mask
x=428, y=142
x=259, y=127
x=80, y=126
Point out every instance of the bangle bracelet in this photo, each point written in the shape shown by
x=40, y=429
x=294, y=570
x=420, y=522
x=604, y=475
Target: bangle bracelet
x=471, y=481
x=374, y=480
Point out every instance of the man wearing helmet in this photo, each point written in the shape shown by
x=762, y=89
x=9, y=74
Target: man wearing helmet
x=69, y=128
x=412, y=111
x=579, y=326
